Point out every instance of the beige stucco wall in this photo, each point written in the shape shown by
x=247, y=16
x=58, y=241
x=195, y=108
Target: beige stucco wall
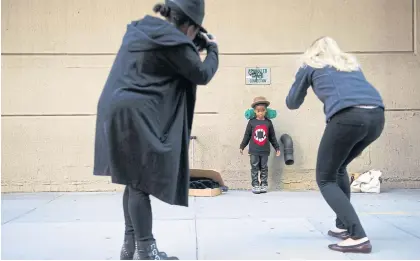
x=56, y=56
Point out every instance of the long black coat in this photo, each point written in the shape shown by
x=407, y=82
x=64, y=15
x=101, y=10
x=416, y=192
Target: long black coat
x=146, y=110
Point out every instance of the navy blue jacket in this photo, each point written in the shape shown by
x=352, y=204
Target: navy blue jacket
x=336, y=89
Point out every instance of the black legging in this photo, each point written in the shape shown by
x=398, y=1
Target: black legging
x=137, y=214
x=347, y=134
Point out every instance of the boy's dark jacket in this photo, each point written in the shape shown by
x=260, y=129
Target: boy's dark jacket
x=259, y=134
x=146, y=109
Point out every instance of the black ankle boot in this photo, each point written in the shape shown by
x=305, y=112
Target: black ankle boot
x=147, y=250
x=127, y=250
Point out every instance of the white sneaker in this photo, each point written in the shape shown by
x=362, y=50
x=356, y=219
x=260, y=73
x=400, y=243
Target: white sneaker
x=263, y=189
x=256, y=190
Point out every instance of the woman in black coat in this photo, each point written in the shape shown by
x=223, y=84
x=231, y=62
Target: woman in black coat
x=145, y=114
x=354, y=112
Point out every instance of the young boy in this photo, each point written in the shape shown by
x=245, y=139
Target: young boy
x=261, y=130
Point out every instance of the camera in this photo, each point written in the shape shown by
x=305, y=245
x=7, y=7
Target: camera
x=201, y=42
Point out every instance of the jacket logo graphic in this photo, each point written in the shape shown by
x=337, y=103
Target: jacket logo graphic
x=260, y=135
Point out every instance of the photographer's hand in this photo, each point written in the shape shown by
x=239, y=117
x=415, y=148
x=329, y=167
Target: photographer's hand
x=208, y=40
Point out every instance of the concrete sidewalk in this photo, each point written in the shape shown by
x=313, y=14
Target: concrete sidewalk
x=236, y=225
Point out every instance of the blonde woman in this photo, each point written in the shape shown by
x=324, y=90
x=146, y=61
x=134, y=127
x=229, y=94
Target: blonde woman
x=355, y=118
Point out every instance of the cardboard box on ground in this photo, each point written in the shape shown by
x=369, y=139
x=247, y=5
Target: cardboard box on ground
x=207, y=174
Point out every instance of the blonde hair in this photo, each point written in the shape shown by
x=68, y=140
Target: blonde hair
x=325, y=52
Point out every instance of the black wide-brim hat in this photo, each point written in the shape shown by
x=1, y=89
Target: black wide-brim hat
x=194, y=9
